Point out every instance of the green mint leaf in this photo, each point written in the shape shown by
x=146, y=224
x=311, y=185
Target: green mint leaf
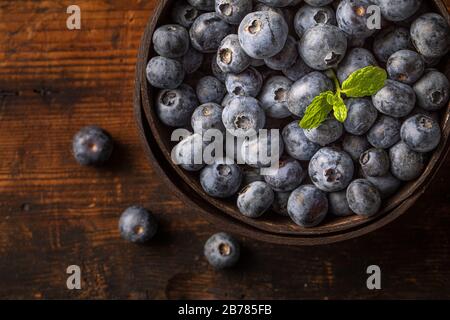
x=317, y=111
x=364, y=82
x=339, y=108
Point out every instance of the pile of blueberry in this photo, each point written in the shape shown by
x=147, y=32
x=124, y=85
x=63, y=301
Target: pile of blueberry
x=235, y=65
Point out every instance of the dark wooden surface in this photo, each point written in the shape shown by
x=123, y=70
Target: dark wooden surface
x=54, y=213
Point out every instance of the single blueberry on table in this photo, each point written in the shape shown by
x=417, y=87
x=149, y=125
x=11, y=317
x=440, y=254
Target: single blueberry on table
x=385, y=132
x=164, y=73
x=188, y=153
x=137, y=225
x=222, y=250
x=304, y=90
x=326, y=133
x=243, y=116
x=208, y=31
x=338, y=204
x=171, y=41
x=184, y=14
x=255, y=199
x=233, y=11
x=204, y=5
x=363, y=198
x=395, y=99
x=285, y=58
x=256, y=151
x=356, y=58
x=355, y=145
x=406, y=164
x=273, y=97
x=323, y=46
x=92, y=146
x=280, y=202
x=192, y=60
x=432, y=90
x=246, y=83
x=307, y=206
x=430, y=34
x=421, y=133
x=331, y=169
x=298, y=70
x=361, y=115
x=175, y=106
x=390, y=40
x=207, y=116
x=308, y=16
x=352, y=17
x=387, y=185
x=395, y=10
x=405, y=66
x=231, y=57
x=263, y=34
x=374, y=162
x=287, y=177
x=221, y=179
x=297, y=145
x=210, y=89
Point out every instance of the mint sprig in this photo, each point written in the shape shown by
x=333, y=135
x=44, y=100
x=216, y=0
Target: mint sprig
x=361, y=83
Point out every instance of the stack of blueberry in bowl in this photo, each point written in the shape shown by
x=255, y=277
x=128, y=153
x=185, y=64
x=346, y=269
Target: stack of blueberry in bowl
x=354, y=88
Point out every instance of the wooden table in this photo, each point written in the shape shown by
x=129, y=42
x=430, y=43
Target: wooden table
x=54, y=213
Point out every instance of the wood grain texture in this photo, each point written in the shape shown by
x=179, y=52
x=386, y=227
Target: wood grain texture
x=54, y=213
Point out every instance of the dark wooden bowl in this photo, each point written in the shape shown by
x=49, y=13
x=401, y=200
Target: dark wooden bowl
x=271, y=227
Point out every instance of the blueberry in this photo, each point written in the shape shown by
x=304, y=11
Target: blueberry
x=405, y=66
x=374, y=162
x=323, y=46
x=233, y=11
x=387, y=185
x=210, y=89
x=363, y=198
x=280, y=202
x=208, y=31
x=228, y=97
x=207, y=116
x=327, y=132
x=352, y=18
x=276, y=3
x=356, y=58
x=251, y=175
x=355, y=145
x=296, y=144
x=406, y=164
x=257, y=150
x=338, y=204
x=243, y=116
x=303, y=91
x=285, y=58
x=421, y=133
x=432, y=90
x=246, y=83
x=231, y=57
x=221, y=179
x=395, y=99
x=389, y=41
x=331, y=170
x=298, y=70
x=255, y=199
x=430, y=35
x=192, y=60
x=216, y=71
x=171, y=41
x=318, y=3
x=222, y=251
x=395, y=10
x=188, y=153
x=164, y=73
x=308, y=16
x=174, y=107
x=287, y=177
x=205, y=5
x=262, y=34
x=137, y=225
x=361, y=115
x=307, y=206
x=273, y=97
x=385, y=132
x=184, y=14
x=92, y=146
